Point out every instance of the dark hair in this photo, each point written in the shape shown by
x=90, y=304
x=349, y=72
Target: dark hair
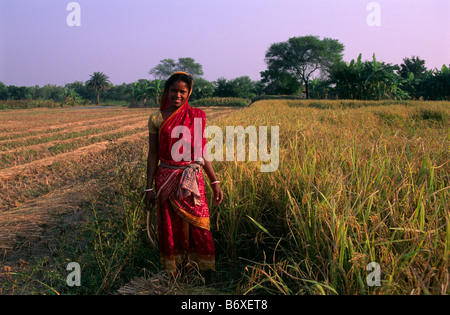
x=179, y=77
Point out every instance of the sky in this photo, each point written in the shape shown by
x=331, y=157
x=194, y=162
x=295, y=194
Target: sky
x=229, y=38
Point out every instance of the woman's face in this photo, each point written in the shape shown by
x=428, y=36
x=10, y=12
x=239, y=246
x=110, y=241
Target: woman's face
x=178, y=93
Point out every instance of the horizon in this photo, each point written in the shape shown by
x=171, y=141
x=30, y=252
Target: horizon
x=124, y=40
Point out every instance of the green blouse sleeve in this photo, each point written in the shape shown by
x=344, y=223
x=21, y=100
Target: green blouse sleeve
x=154, y=122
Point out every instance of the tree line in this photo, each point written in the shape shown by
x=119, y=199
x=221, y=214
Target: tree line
x=315, y=67
x=374, y=80
x=143, y=92
x=303, y=66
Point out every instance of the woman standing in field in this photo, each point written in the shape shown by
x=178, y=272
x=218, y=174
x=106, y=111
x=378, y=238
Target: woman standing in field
x=182, y=209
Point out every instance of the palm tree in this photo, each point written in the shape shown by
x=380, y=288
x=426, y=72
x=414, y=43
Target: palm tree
x=98, y=81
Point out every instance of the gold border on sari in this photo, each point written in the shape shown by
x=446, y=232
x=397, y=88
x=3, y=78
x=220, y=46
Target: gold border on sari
x=201, y=222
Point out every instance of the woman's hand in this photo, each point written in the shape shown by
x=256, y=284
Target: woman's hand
x=150, y=200
x=218, y=193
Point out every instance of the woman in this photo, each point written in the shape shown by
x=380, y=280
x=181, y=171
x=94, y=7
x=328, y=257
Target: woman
x=182, y=209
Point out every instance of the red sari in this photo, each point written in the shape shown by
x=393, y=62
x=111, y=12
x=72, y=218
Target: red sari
x=183, y=218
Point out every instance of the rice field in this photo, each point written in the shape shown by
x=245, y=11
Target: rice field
x=30, y=138
x=358, y=205
x=357, y=184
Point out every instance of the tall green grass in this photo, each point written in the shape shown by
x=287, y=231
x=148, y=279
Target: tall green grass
x=117, y=248
x=351, y=189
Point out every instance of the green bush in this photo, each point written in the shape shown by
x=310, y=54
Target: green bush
x=24, y=104
x=221, y=101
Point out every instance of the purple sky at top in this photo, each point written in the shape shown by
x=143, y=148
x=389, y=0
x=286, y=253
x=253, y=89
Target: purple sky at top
x=126, y=38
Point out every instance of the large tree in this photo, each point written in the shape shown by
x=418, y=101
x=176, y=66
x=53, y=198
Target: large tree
x=303, y=57
x=98, y=81
x=168, y=66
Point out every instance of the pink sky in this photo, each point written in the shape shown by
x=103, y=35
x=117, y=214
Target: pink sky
x=126, y=38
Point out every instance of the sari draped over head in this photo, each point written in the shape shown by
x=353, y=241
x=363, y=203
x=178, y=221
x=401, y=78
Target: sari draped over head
x=182, y=209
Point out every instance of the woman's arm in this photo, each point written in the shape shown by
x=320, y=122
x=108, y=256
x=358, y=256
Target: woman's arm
x=218, y=193
x=152, y=161
x=152, y=167
x=209, y=170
